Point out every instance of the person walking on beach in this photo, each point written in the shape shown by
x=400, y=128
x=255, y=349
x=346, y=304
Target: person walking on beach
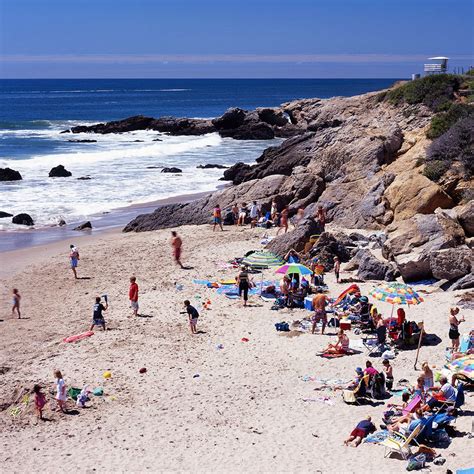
x=74, y=258
x=283, y=220
x=243, y=282
x=61, y=394
x=193, y=316
x=235, y=211
x=133, y=295
x=176, y=244
x=16, y=303
x=242, y=214
x=337, y=268
x=454, y=323
x=98, y=317
x=319, y=307
x=217, y=217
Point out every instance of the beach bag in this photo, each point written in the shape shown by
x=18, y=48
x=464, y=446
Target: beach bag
x=74, y=392
x=416, y=462
x=283, y=326
x=349, y=396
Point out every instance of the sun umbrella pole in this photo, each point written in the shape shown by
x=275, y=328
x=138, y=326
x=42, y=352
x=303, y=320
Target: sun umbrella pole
x=419, y=344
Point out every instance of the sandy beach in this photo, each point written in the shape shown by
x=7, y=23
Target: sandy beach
x=245, y=407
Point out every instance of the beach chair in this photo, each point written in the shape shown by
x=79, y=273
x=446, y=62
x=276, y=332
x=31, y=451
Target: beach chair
x=398, y=443
x=359, y=393
x=412, y=405
x=377, y=343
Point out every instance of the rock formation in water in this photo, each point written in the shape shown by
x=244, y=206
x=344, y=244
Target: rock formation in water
x=7, y=174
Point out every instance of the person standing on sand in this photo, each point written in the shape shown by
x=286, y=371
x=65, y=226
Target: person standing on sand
x=98, y=317
x=235, y=211
x=319, y=307
x=133, y=295
x=61, y=394
x=217, y=217
x=337, y=268
x=40, y=401
x=283, y=220
x=16, y=303
x=274, y=211
x=454, y=323
x=74, y=258
x=193, y=316
x=176, y=244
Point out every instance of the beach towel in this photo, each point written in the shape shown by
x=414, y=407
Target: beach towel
x=78, y=337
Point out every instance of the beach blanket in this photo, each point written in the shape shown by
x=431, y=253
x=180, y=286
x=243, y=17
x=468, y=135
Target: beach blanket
x=377, y=437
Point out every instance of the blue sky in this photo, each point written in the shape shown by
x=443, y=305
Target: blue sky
x=231, y=38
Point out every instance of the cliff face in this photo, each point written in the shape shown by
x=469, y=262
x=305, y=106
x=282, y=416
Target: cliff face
x=343, y=157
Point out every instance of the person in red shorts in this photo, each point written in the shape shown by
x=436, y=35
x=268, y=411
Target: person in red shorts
x=176, y=243
x=362, y=429
x=133, y=295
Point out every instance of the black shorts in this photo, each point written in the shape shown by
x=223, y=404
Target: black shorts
x=245, y=289
x=454, y=334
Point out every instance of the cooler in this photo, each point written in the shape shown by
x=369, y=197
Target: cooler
x=345, y=324
x=308, y=303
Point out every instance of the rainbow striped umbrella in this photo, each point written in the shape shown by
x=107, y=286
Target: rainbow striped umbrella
x=292, y=268
x=396, y=293
x=463, y=365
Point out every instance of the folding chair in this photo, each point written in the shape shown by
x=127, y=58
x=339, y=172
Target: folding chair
x=398, y=443
x=359, y=393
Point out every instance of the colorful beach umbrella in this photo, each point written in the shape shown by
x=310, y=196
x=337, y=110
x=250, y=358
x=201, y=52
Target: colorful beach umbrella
x=292, y=268
x=463, y=365
x=396, y=293
x=262, y=259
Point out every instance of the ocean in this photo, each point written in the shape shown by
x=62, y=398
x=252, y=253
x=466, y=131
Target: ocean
x=125, y=168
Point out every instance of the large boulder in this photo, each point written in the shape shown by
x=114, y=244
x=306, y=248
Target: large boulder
x=273, y=117
x=23, y=219
x=231, y=119
x=236, y=173
x=59, y=172
x=7, y=174
x=85, y=226
x=412, y=193
x=171, y=170
x=370, y=267
x=464, y=282
x=448, y=264
x=465, y=215
x=410, y=242
x=294, y=239
x=330, y=245
x=5, y=214
x=208, y=166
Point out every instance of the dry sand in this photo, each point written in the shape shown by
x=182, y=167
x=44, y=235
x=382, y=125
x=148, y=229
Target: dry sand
x=197, y=408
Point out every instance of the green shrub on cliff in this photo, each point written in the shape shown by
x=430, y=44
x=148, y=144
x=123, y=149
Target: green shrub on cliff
x=434, y=170
x=434, y=91
x=443, y=121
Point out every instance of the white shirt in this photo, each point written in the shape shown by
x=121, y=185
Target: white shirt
x=254, y=211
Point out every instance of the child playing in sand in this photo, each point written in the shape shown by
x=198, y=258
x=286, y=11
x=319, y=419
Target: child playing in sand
x=362, y=429
x=40, y=401
x=98, y=317
x=133, y=295
x=61, y=394
x=16, y=303
x=193, y=316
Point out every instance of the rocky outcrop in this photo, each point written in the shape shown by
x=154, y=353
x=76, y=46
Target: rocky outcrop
x=330, y=245
x=85, y=226
x=447, y=264
x=411, y=242
x=59, y=172
x=171, y=170
x=263, y=124
x=23, y=219
x=208, y=166
x=5, y=214
x=295, y=239
x=369, y=267
x=464, y=283
x=465, y=216
x=7, y=174
x=200, y=211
